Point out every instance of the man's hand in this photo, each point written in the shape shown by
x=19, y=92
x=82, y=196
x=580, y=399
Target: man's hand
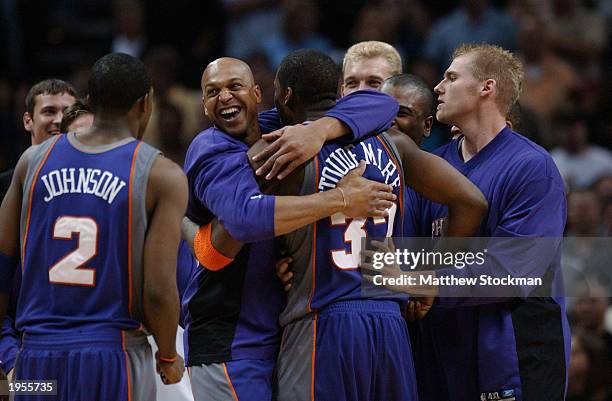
x=291, y=147
x=363, y=197
x=395, y=279
x=170, y=372
x=418, y=307
x=283, y=273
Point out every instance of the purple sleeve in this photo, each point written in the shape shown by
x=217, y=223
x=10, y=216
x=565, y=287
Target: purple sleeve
x=525, y=244
x=225, y=184
x=365, y=112
x=269, y=121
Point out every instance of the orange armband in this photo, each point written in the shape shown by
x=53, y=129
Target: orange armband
x=206, y=253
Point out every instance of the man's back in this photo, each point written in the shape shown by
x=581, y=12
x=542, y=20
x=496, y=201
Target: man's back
x=327, y=254
x=82, y=233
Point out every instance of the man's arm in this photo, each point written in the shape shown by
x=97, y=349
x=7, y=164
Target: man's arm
x=354, y=117
x=438, y=181
x=227, y=187
x=166, y=203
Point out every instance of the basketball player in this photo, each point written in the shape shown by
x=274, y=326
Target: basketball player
x=100, y=219
x=495, y=348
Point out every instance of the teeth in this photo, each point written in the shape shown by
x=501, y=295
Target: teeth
x=229, y=111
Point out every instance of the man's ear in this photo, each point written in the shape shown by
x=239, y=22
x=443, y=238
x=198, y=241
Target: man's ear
x=427, y=124
x=488, y=87
x=288, y=96
x=257, y=91
x=342, y=90
x=27, y=122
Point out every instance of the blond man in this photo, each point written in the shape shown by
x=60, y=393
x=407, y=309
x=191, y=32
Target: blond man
x=494, y=346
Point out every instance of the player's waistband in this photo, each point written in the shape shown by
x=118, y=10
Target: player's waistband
x=362, y=306
x=108, y=339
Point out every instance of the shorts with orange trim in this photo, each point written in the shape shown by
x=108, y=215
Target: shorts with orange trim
x=242, y=380
x=349, y=351
x=93, y=366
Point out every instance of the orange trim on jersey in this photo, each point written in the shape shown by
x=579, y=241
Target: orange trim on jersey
x=229, y=381
x=27, y=227
x=314, y=355
x=314, y=242
x=132, y=168
x=127, y=366
x=402, y=186
x=206, y=253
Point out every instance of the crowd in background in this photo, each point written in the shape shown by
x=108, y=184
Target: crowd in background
x=565, y=105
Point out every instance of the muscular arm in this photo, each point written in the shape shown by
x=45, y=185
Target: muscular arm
x=435, y=179
x=166, y=203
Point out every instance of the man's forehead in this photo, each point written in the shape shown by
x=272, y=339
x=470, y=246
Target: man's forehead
x=52, y=99
x=364, y=67
x=460, y=64
x=227, y=69
x=406, y=96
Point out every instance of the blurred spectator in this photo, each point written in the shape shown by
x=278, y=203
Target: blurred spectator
x=264, y=76
x=474, y=22
x=169, y=125
x=579, y=162
x=579, y=33
x=299, y=31
x=248, y=22
x=130, y=23
x=548, y=79
x=603, y=188
x=162, y=64
x=588, y=373
x=584, y=211
x=378, y=22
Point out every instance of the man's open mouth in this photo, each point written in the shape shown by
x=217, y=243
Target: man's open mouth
x=230, y=113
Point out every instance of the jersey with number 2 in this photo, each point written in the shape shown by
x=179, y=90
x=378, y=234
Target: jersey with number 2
x=83, y=222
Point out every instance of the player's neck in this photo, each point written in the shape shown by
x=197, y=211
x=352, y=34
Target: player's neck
x=478, y=131
x=108, y=129
x=318, y=110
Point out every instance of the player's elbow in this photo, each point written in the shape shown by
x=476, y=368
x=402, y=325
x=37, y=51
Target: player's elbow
x=247, y=231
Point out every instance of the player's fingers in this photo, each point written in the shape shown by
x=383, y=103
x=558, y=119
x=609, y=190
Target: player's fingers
x=275, y=144
x=360, y=169
x=382, y=246
x=289, y=169
x=274, y=135
x=287, y=287
x=410, y=315
x=264, y=168
x=379, y=186
x=382, y=204
x=377, y=213
x=279, y=163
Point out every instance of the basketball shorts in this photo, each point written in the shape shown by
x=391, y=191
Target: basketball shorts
x=350, y=351
x=241, y=380
x=95, y=367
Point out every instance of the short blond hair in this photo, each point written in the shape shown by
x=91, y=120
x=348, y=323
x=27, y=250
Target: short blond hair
x=372, y=49
x=494, y=62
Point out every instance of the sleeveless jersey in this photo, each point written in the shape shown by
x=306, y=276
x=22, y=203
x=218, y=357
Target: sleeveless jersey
x=83, y=225
x=326, y=255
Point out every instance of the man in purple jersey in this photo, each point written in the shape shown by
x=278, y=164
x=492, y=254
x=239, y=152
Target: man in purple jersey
x=499, y=348
x=120, y=265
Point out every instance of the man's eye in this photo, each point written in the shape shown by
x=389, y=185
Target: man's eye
x=211, y=92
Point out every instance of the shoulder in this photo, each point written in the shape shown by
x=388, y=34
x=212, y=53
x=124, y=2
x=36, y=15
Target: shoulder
x=530, y=161
x=167, y=176
x=212, y=143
